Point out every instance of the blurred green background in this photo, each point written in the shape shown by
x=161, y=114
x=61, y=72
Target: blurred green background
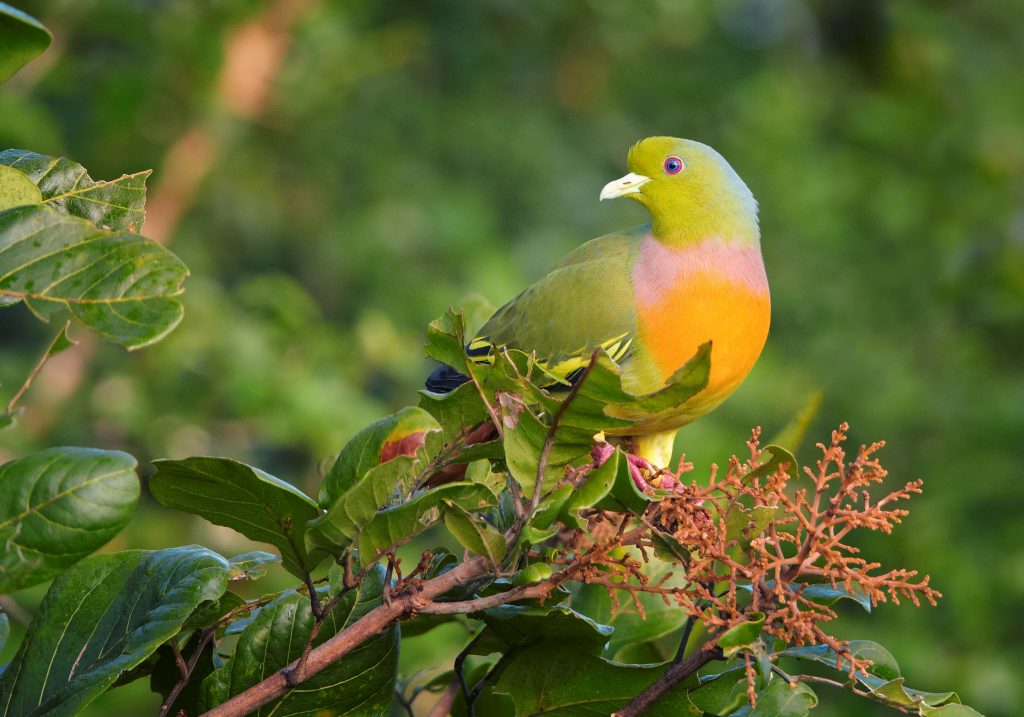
x=336, y=173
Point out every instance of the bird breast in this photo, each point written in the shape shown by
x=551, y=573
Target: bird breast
x=713, y=290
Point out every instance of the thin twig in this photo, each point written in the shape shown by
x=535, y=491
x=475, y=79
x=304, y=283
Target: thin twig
x=35, y=370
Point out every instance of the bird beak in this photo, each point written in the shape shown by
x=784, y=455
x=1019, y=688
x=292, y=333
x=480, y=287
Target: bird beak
x=630, y=184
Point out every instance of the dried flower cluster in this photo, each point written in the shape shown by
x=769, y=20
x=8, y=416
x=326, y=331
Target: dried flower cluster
x=753, y=541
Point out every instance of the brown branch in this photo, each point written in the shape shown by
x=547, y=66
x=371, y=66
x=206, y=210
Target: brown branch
x=35, y=370
x=672, y=677
x=373, y=623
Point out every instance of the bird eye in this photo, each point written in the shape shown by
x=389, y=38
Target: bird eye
x=673, y=165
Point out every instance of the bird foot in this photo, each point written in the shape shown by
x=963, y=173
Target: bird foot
x=644, y=474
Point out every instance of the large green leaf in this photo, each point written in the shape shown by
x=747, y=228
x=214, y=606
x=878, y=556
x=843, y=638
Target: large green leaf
x=630, y=625
x=59, y=505
x=557, y=679
x=102, y=618
x=358, y=685
x=781, y=699
x=883, y=678
x=22, y=38
x=118, y=204
x=387, y=527
x=243, y=498
x=119, y=284
x=511, y=627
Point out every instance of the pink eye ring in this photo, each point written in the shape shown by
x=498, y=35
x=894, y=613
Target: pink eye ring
x=673, y=165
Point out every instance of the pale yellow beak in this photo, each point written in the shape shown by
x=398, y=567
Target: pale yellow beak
x=630, y=184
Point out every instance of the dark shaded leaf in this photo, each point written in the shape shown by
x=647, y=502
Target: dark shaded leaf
x=512, y=627
x=22, y=38
x=361, y=684
x=558, y=679
x=100, y=619
x=238, y=496
x=59, y=505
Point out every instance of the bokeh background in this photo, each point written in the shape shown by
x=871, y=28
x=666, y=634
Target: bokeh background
x=336, y=173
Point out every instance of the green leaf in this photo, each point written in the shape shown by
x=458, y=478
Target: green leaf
x=22, y=38
x=16, y=189
x=101, y=618
x=792, y=434
x=511, y=627
x=354, y=509
x=238, y=496
x=402, y=434
x=455, y=411
x=883, y=664
x=59, y=505
x=624, y=496
x=781, y=699
x=822, y=593
x=118, y=204
x=590, y=492
x=387, y=527
x=554, y=678
x=5, y=630
x=777, y=456
x=118, y=284
x=745, y=525
x=630, y=625
x=361, y=684
x=473, y=533
x=741, y=635
x=721, y=694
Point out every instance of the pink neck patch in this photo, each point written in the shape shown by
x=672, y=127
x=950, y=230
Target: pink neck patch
x=659, y=267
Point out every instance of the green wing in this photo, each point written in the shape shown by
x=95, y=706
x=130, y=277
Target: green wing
x=585, y=302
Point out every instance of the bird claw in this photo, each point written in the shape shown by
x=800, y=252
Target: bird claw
x=601, y=452
x=637, y=465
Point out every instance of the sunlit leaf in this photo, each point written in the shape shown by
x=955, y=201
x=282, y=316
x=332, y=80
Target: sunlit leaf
x=473, y=533
x=59, y=505
x=119, y=284
x=391, y=525
x=402, y=434
x=16, y=189
x=118, y=204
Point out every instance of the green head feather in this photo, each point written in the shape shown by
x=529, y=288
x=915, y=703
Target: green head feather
x=703, y=198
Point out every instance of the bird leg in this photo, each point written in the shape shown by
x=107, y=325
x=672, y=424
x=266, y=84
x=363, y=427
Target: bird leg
x=602, y=451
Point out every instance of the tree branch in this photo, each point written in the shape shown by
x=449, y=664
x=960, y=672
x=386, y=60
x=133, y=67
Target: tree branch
x=672, y=677
x=373, y=623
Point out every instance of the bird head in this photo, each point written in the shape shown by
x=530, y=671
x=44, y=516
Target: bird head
x=689, y=189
